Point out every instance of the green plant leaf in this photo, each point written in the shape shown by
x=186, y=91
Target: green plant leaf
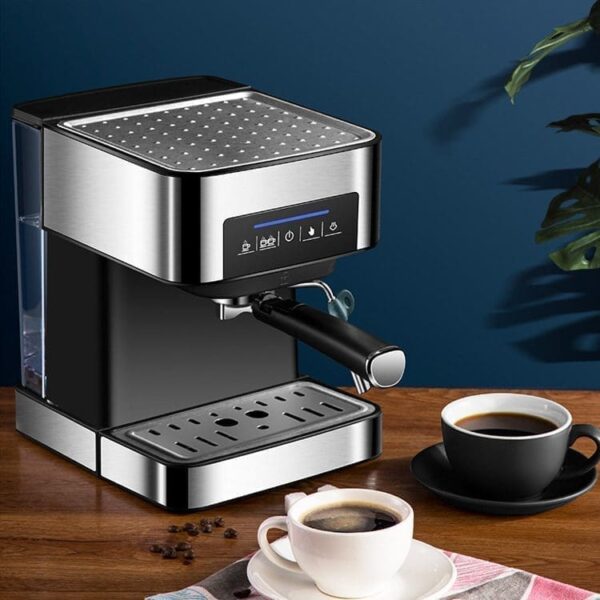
x=588, y=123
x=594, y=16
x=576, y=211
x=561, y=35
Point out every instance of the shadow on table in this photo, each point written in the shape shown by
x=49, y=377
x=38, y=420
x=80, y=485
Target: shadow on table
x=396, y=478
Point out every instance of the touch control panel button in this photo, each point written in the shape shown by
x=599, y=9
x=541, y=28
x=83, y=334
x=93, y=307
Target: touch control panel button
x=267, y=242
x=312, y=231
x=290, y=236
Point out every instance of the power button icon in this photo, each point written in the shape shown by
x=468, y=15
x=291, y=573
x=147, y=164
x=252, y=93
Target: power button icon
x=289, y=235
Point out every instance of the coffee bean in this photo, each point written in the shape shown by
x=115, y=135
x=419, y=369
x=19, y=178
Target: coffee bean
x=188, y=526
x=155, y=548
x=230, y=533
x=169, y=552
x=183, y=546
x=219, y=522
x=173, y=529
x=242, y=593
x=207, y=528
x=189, y=555
x=204, y=522
x=193, y=532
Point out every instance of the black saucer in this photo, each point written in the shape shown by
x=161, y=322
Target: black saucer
x=432, y=469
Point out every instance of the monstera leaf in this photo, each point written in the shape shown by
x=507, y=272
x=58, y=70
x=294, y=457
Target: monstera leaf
x=576, y=211
x=560, y=36
x=594, y=17
x=588, y=123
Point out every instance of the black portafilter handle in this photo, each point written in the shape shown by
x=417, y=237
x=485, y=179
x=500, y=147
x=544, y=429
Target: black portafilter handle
x=380, y=363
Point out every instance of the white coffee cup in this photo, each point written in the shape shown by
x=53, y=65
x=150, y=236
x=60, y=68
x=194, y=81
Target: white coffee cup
x=347, y=565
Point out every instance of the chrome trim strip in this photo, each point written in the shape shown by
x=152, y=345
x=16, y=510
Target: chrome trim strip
x=243, y=475
x=60, y=433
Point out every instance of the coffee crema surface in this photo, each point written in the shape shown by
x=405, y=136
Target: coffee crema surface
x=506, y=424
x=350, y=518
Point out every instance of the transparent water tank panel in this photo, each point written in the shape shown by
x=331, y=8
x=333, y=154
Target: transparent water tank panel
x=31, y=255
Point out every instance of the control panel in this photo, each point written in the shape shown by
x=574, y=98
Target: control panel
x=289, y=236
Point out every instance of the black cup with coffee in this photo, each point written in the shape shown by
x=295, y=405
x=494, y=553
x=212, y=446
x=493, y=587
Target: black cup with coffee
x=511, y=446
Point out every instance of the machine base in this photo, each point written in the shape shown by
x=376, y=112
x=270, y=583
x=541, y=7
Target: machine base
x=178, y=481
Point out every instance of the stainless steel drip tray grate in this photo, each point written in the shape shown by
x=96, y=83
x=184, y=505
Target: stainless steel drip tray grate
x=245, y=422
x=218, y=132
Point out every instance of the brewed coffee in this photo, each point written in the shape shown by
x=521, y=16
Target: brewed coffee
x=506, y=424
x=350, y=518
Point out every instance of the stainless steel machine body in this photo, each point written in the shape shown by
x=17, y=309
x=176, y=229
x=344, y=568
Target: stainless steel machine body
x=148, y=217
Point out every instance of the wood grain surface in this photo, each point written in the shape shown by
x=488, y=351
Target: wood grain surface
x=65, y=534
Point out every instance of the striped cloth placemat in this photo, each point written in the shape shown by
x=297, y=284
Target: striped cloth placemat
x=476, y=580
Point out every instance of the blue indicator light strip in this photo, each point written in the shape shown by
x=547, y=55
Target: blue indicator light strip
x=309, y=215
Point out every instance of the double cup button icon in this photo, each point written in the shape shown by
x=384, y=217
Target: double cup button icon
x=265, y=242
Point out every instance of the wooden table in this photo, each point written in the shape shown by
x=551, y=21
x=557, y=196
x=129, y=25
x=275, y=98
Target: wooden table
x=65, y=534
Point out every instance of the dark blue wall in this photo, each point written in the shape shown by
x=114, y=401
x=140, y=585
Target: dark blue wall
x=457, y=279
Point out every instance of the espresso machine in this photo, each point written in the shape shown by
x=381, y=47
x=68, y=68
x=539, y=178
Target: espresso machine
x=163, y=231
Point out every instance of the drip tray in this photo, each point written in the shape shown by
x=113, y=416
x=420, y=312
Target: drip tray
x=244, y=423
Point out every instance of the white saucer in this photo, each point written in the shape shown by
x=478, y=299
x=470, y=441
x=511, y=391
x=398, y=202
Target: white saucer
x=426, y=574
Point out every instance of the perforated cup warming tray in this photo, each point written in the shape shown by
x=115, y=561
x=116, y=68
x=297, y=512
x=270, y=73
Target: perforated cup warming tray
x=245, y=423
x=228, y=130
